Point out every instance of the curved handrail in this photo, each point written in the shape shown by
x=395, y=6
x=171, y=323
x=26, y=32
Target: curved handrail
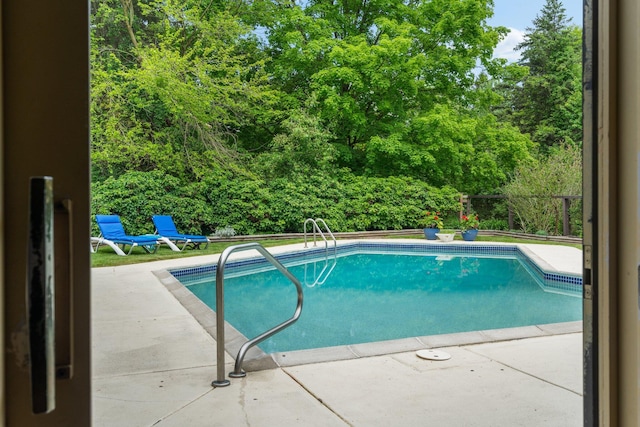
x=316, y=229
x=322, y=277
x=320, y=220
x=238, y=372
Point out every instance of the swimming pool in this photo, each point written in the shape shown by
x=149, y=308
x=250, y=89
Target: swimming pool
x=411, y=290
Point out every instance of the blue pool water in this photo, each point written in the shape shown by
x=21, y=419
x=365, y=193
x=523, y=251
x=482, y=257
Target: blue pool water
x=367, y=296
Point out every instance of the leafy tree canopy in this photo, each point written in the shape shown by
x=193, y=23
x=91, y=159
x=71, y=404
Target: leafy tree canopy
x=548, y=103
x=371, y=66
x=342, y=99
x=172, y=82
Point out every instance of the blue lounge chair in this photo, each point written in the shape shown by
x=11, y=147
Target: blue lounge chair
x=112, y=234
x=166, y=228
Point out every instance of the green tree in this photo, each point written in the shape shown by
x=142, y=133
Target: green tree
x=445, y=146
x=548, y=102
x=302, y=146
x=351, y=110
x=173, y=83
x=373, y=67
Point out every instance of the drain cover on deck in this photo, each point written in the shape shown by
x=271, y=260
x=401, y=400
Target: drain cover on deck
x=433, y=354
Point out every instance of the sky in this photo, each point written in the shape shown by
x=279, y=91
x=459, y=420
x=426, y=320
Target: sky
x=517, y=15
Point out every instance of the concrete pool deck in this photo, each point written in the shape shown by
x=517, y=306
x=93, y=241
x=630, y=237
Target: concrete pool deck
x=153, y=364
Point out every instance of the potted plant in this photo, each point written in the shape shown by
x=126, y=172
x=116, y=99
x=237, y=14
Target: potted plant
x=433, y=224
x=469, y=226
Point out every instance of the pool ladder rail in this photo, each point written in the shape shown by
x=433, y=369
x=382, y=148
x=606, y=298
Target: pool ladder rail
x=318, y=231
x=238, y=372
x=321, y=278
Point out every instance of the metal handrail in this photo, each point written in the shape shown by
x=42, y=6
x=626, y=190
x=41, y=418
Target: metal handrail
x=316, y=229
x=238, y=372
x=322, y=277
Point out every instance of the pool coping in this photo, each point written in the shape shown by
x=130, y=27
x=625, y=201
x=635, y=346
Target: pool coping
x=256, y=359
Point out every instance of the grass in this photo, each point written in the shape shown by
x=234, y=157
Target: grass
x=105, y=257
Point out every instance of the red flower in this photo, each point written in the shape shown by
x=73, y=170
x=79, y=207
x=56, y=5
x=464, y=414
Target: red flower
x=432, y=220
x=468, y=222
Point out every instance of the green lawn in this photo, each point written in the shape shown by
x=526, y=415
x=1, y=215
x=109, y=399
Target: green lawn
x=105, y=257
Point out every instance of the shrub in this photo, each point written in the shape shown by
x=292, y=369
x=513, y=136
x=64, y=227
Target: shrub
x=136, y=196
x=494, y=224
x=248, y=205
x=533, y=185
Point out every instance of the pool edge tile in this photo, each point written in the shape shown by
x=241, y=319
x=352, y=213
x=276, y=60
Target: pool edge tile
x=316, y=355
x=386, y=347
